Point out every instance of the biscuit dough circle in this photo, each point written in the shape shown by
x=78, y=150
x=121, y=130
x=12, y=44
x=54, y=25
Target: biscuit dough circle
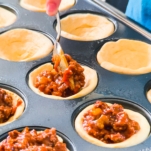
x=86, y=27
x=137, y=138
x=19, y=110
x=24, y=45
x=6, y=17
x=40, y=5
x=149, y=95
x=66, y=4
x=125, y=57
x=91, y=80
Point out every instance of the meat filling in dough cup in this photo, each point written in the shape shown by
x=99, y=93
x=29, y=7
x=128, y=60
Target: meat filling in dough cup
x=22, y=44
x=40, y=5
x=86, y=27
x=133, y=110
x=12, y=104
x=7, y=16
x=91, y=80
x=62, y=138
x=125, y=56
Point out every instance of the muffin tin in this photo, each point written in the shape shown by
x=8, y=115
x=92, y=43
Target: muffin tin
x=43, y=112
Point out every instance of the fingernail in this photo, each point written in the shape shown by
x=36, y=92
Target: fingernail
x=51, y=8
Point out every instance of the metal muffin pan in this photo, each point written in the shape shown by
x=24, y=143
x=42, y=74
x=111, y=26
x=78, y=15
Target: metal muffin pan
x=46, y=112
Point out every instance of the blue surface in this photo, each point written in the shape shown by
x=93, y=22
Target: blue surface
x=140, y=11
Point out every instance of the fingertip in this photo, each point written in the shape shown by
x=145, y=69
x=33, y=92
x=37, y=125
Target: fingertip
x=52, y=7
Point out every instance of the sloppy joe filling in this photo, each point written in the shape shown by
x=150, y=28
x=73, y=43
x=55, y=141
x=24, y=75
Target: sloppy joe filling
x=7, y=109
x=61, y=83
x=31, y=140
x=109, y=124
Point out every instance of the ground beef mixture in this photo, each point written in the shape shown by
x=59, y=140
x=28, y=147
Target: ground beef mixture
x=60, y=83
x=6, y=106
x=31, y=140
x=109, y=124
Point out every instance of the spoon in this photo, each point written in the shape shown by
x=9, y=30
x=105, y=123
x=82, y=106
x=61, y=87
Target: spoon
x=57, y=51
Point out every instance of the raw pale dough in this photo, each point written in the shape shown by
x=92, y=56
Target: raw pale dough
x=34, y=5
x=86, y=27
x=137, y=138
x=149, y=95
x=66, y=4
x=40, y=5
x=24, y=45
x=61, y=140
x=6, y=17
x=19, y=109
x=126, y=57
x=90, y=78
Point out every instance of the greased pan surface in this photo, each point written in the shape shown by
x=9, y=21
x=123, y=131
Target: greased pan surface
x=46, y=112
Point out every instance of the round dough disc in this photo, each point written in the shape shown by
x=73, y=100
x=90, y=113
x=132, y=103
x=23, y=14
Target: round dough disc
x=126, y=57
x=19, y=109
x=6, y=17
x=86, y=27
x=91, y=80
x=40, y=5
x=66, y=4
x=137, y=138
x=24, y=45
x=149, y=95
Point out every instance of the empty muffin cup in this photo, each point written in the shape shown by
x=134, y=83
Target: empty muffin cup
x=7, y=16
x=125, y=56
x=22, y=44
x=86, y=26
x=40, y=5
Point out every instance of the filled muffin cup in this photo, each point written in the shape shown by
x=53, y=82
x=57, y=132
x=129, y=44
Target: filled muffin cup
x=104, y=123
x=37, y=137
x=13, y=104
